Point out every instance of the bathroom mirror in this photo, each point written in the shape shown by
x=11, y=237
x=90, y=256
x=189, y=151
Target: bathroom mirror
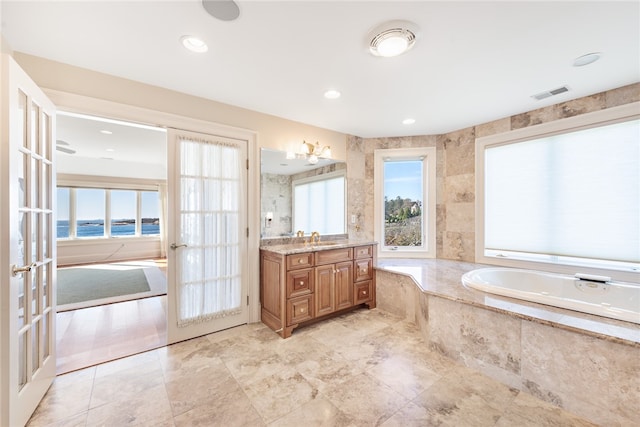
x=316, y=202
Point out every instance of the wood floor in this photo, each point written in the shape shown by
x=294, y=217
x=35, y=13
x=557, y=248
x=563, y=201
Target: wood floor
x=94, y=335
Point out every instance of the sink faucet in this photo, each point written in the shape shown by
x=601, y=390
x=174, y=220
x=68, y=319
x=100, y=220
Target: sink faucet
x=317, y=237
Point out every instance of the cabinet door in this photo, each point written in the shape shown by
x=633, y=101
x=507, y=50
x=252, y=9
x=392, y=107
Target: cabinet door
x=299, y=282
x=362, y=292
x=324, y=290
x=344, y=285
x=299, y=309
x=364, y=269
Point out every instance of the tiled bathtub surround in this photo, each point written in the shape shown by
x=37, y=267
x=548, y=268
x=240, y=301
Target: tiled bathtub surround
x=585, y=364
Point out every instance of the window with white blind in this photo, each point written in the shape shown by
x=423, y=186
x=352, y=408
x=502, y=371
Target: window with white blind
x=566, y=193
x=319, y=203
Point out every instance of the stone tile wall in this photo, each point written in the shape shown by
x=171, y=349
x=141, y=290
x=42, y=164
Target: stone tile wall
x=456, y=169
x=276, y=198
x=594, y=378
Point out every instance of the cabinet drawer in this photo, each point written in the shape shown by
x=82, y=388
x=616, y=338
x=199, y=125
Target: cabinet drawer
x=363, y=269
x=303, y=260
x=299, y=282
x=364, y=252
x=362, y=292
x=299, y=309
x=334, y=255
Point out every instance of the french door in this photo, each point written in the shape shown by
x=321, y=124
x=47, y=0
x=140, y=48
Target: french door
x=207, y=223
x=27, y=246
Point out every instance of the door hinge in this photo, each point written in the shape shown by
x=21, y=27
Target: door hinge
x=247, y=231
x=247, y=299
x=247, y=164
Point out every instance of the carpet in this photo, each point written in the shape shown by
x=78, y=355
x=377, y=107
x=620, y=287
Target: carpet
x=88, y=286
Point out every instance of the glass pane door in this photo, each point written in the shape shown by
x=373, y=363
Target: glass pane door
x=208, y=195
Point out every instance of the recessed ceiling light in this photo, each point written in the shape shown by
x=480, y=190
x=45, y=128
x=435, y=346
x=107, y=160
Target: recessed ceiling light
x=110, y=150
x=224, y=10
x=408, y=121
x=332, y=94
x=392, y=38
x=587, y=59
x=194, y=44
x=106, y=132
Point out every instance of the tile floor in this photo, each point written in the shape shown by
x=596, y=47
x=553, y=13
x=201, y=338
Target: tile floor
x=364, y=368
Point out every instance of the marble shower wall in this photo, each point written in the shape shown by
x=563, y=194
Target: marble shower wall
x=455, y=198
x=275, y=193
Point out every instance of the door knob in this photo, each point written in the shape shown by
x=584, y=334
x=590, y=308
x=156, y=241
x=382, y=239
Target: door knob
x=174, y=246
x=15, y=270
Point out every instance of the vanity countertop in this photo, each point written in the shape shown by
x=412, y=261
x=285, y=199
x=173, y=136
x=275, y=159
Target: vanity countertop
x=296, y=248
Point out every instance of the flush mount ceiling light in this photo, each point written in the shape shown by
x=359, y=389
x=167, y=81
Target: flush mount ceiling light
x=587, y=59
x=392, y=38
x=224, y=10
x=194, y=44
x=332, y=94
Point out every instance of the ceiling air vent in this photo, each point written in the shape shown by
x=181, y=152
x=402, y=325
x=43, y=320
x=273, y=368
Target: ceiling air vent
x=543, y=95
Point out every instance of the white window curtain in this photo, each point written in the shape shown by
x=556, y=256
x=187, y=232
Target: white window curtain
x=575, y=194
x=209, y=283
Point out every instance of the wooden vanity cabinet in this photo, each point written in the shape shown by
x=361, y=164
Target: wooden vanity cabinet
x=301, y=287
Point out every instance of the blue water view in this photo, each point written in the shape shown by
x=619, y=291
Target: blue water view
x=95, y=228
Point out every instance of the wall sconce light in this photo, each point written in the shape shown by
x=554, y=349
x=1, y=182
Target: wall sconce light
x=313, y=152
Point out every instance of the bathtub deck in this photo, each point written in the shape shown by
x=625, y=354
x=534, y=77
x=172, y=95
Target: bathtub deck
x=551, y=353
x=441, y=278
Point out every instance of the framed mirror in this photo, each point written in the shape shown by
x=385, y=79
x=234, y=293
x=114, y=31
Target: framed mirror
x=298, y=195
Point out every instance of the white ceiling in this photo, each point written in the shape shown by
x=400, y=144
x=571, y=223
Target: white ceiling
x=473, y=62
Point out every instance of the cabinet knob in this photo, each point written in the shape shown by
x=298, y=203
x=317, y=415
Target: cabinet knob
x=300, y=261
x=302, y=310
x=364, y=292
x=301, y=283
x=363, y=271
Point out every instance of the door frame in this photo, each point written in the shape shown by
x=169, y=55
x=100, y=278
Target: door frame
x=93, y=106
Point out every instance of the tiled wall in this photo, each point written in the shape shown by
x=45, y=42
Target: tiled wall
x=595, y=378
x=276, y=198
x=456, y=169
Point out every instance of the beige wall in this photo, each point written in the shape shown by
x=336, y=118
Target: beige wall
x=273, y=132
x=456, y=169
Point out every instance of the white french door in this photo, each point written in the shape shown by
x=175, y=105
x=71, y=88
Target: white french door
x=207, y=223
x=27, y=248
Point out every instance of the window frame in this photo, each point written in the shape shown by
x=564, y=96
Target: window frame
x=429, y=159
x=85, y=182
x=563, y=265
x=317, y=178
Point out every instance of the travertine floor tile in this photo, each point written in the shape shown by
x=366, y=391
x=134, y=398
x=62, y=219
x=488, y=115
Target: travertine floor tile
x=364, y=368
x=365, y=399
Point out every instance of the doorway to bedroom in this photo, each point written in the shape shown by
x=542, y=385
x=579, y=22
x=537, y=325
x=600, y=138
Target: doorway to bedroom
x=111, y=213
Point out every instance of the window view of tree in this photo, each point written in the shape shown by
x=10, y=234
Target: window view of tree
x=403, y=189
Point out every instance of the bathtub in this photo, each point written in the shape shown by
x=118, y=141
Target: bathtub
x=591, y=294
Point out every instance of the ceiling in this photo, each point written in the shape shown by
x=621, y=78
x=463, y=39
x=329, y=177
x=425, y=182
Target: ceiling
x=96, y=138
x=473, y=62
